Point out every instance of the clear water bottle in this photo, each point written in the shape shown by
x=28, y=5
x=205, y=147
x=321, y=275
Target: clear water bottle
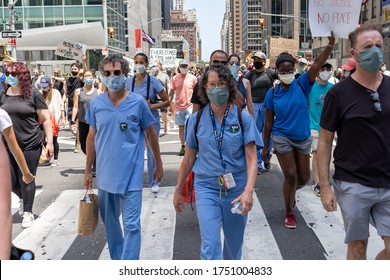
x=74, y=130
x=155, y=187
x=237, y=208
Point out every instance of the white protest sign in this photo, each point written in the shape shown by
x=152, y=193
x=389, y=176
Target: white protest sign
x=70, y=49
x=339, y=16
x=166, y=57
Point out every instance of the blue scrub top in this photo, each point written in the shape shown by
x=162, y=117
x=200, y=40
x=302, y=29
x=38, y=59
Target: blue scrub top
x=291, y=108
x=119, y=152
x=208, y=162
x=155, y=88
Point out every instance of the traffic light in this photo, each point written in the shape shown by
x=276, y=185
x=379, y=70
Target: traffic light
x=3, y=50
x=111, y=33
x=185, y=54
x=261, y=21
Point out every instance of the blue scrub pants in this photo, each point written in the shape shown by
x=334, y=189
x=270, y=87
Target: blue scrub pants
x=127, y=245
x=215, y=212
x=151, y=162
x=260, y=121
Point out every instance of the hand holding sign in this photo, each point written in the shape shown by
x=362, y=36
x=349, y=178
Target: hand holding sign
x=341, y=16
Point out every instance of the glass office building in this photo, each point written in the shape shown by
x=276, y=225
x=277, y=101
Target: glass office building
x=48, y=21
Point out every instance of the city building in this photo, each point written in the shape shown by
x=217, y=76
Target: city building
x=236, y=23
x=226, y=30
x=251, y=32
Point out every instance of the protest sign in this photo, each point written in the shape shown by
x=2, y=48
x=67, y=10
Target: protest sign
x=339, y=16
x=166, y=57
x=386, y=17
x=278, y=45
x=71, y=50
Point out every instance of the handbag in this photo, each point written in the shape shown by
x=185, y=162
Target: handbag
x=88, y=213
x=44, y=159
x=188, y=191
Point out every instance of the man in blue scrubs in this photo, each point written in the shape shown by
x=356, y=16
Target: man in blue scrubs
x=118, y=122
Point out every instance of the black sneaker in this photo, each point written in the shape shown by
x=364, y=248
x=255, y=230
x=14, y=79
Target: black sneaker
x=182, y=151
x=317, y=190
x=267, y=166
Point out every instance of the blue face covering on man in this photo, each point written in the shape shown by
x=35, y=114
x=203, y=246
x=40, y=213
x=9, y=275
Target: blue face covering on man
x=371, y=59
x=114, y=83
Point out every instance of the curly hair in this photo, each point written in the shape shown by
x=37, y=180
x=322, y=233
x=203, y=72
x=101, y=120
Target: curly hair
x=24, y=78
x=113, y=58
x=224, y=75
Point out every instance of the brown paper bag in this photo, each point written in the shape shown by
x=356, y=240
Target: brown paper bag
x=88, y=215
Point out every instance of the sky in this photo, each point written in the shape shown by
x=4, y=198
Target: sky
x=210, y=19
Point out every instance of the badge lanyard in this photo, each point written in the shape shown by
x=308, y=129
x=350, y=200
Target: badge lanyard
x=218, y=139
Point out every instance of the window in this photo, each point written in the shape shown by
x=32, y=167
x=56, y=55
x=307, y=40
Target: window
x=73, y=15
x=73, y=2
x=53, y=16
x=53, y=2
x=32, y=2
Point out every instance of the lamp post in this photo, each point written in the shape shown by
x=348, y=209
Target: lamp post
x=11, y=6
x=296, y=18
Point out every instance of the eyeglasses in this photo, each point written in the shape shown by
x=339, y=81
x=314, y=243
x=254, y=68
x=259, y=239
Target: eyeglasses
x=107, y=73
x=213, y=86
x=234, y=62
x=220, y=61
x=13, y=74
x=377, y=107
x=286, y=72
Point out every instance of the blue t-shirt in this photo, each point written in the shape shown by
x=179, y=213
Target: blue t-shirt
x=208, y=162
x=155, y=88
x=291, y=108
x=316, y=102
x=119, y=141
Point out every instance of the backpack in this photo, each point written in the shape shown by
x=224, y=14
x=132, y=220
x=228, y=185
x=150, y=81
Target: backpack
x=188, y=191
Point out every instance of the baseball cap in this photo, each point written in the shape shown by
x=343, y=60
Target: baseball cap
x=349, y=65
x=303, y=60
x=260, y=55
x=183, y=62
x=44, y=82
x=327, y=64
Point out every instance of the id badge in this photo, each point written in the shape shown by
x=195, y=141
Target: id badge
x=229, y=180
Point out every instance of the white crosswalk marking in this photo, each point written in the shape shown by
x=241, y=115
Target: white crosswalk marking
x=55, y=230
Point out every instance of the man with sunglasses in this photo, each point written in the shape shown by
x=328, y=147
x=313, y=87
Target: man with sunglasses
x=119, y=122
x=358, y=109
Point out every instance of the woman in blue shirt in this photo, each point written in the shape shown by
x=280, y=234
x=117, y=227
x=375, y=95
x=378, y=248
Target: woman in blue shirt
x=225, y=168
x=287, y=117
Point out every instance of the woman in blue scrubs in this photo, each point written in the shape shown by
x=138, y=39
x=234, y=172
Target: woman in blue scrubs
x=287, y=118
x=223, y=158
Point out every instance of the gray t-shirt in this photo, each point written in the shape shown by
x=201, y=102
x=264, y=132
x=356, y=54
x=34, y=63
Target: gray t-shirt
x=261, y=82
x=84, y=100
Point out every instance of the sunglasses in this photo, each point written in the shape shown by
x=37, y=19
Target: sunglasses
x=107, y=73
x=377, y=107
x=13, y=74
x=220, y=61
x=234, y=62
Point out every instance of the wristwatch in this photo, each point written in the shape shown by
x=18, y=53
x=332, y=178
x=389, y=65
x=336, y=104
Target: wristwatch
x=72, y=122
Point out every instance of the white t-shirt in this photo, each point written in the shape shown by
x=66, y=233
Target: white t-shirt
x=5, y=120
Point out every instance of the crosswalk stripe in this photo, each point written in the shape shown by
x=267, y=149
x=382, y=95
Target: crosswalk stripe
x=55, y=229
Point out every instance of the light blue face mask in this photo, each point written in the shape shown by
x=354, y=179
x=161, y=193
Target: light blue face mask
x=88, y=81
x=218, y=96
x=114, y=83
x=12, y=81
x=234, y=70
x=371, y=59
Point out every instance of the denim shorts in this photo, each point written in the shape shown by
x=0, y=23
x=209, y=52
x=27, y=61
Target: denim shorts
x=181, y=116
x=359, y=204
x=283, y=145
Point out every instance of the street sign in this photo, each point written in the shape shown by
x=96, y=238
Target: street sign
x=3, y=21
x=11, y=34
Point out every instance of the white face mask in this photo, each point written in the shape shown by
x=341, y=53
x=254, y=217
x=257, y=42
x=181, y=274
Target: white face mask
x=183, y=70
x=324, y=75
x=139, y=68
x=287, y=78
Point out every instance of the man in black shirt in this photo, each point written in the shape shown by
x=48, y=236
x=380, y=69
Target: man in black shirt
x=261, y=80
x=358, y=109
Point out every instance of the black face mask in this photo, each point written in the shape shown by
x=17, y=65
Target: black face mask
x=258, y=64
x=74, y=73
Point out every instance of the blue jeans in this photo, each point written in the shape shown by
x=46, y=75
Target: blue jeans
x=260, y=121
x=151, y=162
x=122, y=245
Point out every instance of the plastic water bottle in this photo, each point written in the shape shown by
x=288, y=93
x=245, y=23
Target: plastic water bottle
x=237, y=208
x=74, y=130
x=155, y=187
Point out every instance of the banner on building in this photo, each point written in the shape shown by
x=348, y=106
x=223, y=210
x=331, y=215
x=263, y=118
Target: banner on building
x=279, y=45
x=71, y=50
x=341, y=17
x=166, y=57
x=386, y=17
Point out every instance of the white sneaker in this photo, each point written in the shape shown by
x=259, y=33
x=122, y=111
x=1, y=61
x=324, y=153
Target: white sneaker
x=55, y=163
x=21, y=207
x=28, y=219
x=155, y=188
x=145, y=155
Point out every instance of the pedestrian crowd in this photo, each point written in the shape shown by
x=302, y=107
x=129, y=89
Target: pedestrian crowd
x=232, y=118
